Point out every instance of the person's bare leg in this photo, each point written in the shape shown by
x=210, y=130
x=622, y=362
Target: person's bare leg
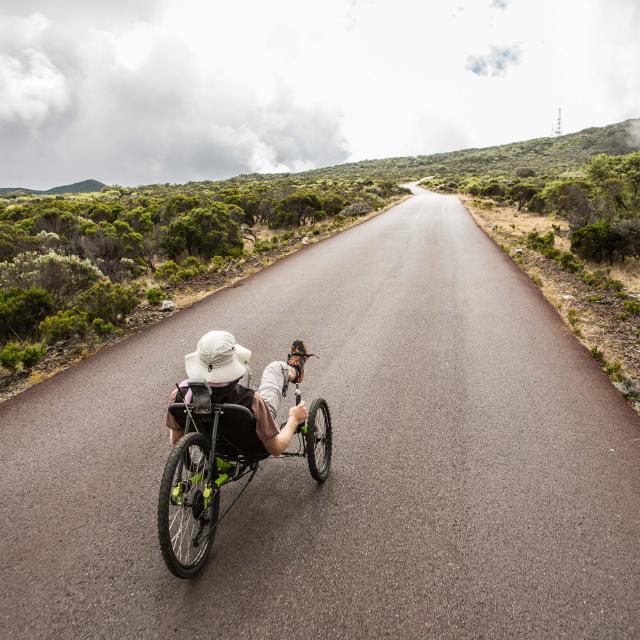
x=275, y=380
x=174, y=436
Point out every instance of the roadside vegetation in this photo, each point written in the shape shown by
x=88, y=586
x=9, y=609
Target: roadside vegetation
x=577, y=234
x=74, y=267
x=77, y=269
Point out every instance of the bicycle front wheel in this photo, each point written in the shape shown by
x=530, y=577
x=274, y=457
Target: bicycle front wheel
x=319, y=440
x=188, y=507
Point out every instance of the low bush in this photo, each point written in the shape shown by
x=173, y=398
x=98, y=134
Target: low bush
x=102, y=327
x=262, y=246
x=64, y=325
x=614, y=371
x=632, y=307
x=543, y=244
x=600, y=279
x=356, y=209
x=601, y=241
x=63, y=276
x=22, y=310
x=573, y=317
x=216, y=264
x=154, y=295
x=173, y=272
x=16, y=355
x=569, y=262
x=168, y=270
x=108, y=301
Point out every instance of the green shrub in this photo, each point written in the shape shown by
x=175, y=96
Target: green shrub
x=102, y=327
x=595, y=298
x=356, y=209
x=168, y=270
x=216, y=264
x=63, y=325
x=192, y=262
x=598, y=241
x=154, y=295
x=204, y=232
x=262, y=246
x=597, y=354
x=63, y=276
x=299, y=208
x=108, y=301
x=15, y=355
x=598, y=279
x=10, y=355
x=32, y=354
x=632, y=307
x=543, y=244
x=540, y=243
x=22, y=310
x=614, y=371
x=569, y=262
x=172, y=272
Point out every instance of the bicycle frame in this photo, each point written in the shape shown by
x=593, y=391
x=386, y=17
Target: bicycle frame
x=218, y=472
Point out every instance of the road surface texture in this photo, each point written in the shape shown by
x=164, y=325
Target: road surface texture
x=485, y=479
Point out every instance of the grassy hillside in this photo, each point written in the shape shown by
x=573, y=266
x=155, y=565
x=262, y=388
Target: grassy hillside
x=552, y=155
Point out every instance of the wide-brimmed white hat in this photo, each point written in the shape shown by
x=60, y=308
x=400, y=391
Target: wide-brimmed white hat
x=217, y=358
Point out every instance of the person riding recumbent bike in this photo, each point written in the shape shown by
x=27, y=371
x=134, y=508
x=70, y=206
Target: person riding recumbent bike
x=221, y=445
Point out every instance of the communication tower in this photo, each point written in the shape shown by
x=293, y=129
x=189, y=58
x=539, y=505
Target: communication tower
x=558, y=128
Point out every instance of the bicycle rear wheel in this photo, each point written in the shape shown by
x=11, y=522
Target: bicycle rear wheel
x=187, y=507
x=319, y=440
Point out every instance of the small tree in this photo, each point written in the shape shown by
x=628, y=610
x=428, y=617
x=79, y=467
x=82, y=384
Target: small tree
x=203, y=232
x=521, y=193
x=298, y=209
x=109, y=243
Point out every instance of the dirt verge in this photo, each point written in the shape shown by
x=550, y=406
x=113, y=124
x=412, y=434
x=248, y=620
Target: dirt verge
x=598, y=309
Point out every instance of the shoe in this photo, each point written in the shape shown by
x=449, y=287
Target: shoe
x=297, y=358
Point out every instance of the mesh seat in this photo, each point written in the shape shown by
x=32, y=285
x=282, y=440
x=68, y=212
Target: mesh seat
x=237, y=435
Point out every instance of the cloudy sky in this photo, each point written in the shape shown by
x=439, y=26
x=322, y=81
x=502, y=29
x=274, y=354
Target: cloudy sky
x=141, y=91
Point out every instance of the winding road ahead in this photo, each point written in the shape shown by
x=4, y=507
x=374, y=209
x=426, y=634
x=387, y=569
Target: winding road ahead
x=485, y=482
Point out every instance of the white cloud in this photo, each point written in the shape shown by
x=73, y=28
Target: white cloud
x=495, y=63
x=20, y=32
x=154, y=90
x=31, y=88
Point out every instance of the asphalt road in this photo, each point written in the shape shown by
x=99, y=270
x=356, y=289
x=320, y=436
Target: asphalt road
x=485, y=479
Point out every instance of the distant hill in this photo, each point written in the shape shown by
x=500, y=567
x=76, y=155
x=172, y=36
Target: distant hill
x=554, y=155
x=86, y=186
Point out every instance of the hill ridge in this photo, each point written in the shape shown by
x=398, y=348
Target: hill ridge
x=84, y=186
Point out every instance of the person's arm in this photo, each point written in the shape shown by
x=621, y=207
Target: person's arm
x=278, y=444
